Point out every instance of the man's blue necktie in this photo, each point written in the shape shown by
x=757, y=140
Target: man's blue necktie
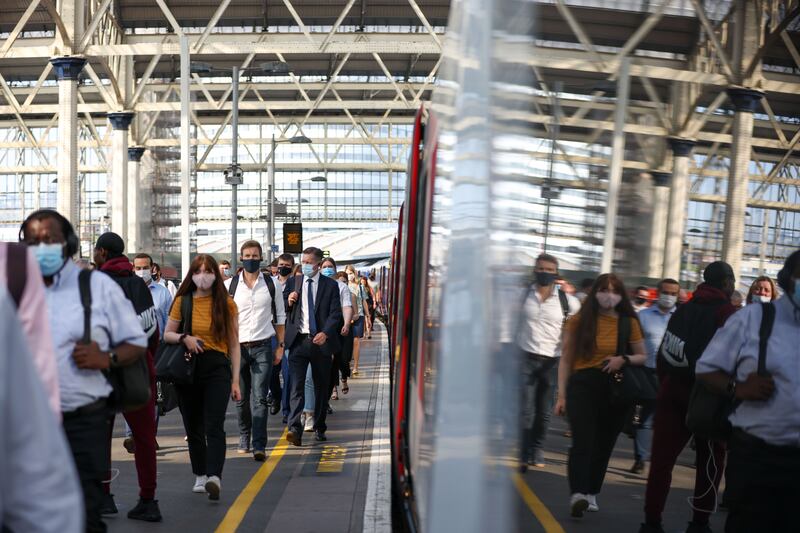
x=312, y=319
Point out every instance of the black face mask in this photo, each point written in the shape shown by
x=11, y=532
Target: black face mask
x=251, y=265
x=639, y=300
x=545, y=279
x=284, y=271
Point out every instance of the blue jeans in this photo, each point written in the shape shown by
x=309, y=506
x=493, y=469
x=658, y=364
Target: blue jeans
x=540, y=376
x=256, y=370
x=643, y=436
x=287, y=383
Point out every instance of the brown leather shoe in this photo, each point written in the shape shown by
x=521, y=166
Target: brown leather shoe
x=294, y=438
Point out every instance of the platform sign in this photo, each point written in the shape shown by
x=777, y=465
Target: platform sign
x=293, y=238
x=274, y=248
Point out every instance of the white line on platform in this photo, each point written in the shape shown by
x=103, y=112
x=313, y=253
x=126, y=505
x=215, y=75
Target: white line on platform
x=377, y=511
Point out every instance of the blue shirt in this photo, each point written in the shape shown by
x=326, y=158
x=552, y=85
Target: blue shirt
x=162, y=299
x=654, y=324
x=114, y=322
x=734, y=350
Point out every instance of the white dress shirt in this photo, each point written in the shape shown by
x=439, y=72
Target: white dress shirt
x=305, y=325
x=734, y=349
x=40, y=490
x=542, y=323
x=114, y=322
x=255, y=309
x=344, y=294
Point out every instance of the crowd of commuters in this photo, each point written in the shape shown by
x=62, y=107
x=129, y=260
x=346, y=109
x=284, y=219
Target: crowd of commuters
x=709, y=340
x=238, y=331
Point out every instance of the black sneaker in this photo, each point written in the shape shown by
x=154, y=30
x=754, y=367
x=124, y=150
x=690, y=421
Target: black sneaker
x=108, y=506
x=274, y=407
x=129, y=444
x=694, y=527
x=146, y=510
x=638, y=467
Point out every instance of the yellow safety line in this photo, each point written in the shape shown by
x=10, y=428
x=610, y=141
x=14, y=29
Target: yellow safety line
x=536, y=506
x=236, y=513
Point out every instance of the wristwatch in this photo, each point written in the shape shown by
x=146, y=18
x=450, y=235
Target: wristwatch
x=113, y=360
x=627, y=360
x=282, y=345
x=731, y=388
x=180, y=340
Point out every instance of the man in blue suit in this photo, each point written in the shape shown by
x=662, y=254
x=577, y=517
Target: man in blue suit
x=312, y=326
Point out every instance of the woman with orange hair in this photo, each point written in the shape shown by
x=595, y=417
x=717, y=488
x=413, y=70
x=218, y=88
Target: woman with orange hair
x=213, y=342
x=593, y=352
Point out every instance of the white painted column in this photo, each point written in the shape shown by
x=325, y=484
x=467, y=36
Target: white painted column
x=67, y=69
x=658, y=225
x=678, y=202
x=118, y=184
x=186, y=154
x=134, y=241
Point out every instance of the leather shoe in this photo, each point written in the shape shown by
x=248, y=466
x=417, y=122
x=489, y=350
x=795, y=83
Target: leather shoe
x=294, y=438
x=320, y=436
x=274, y=408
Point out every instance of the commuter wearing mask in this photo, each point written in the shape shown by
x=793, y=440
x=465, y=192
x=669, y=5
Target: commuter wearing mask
x=261, y=319
x=273, y=268
x=360, y=314
x=688, y=333
x=225, y=270
x=143, y=267
x=214, y=343
x=641, y=298
x=285, y=264
x=366, y=289
x=592, y=353
x=763, y=464
x=162, y=281
x=340, y=366
x=347, y=340
x=654, y=320
x=545, y=311
x=762, y=291
x=117, y=339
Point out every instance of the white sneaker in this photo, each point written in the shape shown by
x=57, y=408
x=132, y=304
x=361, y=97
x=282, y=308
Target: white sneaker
x=213, y=487
x=593, y=507
x=578, y=503
x=200, y=484
x=309, y=426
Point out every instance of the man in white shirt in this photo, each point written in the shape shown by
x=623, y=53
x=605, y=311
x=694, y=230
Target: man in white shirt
x=117, y=338
x=544, y=313
x=763, y=465
x=261, y=317
x=40, y=490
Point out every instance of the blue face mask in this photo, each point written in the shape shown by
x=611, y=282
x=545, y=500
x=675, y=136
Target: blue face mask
x=329, y=271
x=50, y=257
x=308, y=270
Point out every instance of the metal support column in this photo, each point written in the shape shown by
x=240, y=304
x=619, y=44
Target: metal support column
x=234, y=176
x=118, y=186
x=67, y=70
x=678, y=198
x=658, y=225
x=615, y=172
x=272, y=199
x=134, y=242
x=186, y=163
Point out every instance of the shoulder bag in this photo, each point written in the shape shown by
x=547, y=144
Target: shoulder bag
x=632, y=383
x=708, y=412
x=172, y=363
x=131, y=382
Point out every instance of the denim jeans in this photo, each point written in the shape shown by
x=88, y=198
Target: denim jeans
x=286, y=393
x=254, y=379
x=540, y=376
x=643, y=436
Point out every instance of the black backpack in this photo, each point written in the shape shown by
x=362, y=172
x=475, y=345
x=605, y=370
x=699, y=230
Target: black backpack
x=270, y=286
x=130, y=383
x=689, y=331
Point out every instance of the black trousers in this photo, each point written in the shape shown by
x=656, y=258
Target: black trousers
x=762, y=487
x=595, y=421
x=304, y=353
x=87, y=433
x=203, y=405
x=347, y=354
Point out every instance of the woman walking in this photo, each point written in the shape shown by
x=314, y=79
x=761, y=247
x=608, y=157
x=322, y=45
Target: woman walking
x=762, y=290
x=593, y=353
x=214, y=344
x=369, y=297
x=360, y=313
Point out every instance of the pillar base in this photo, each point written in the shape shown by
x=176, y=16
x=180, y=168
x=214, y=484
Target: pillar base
x=121, y=120
x=745, y=100
x=135, y=153
x=661, y=178
x=68, y=67
x=680, y=146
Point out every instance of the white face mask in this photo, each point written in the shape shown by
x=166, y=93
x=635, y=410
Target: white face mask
x=203, y=280
x=764, y=299
x=608, y=300
x=667, y=301
x=145, y=275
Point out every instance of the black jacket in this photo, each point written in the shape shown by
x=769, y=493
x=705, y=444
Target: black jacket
x=135, y=289
x=328, y=312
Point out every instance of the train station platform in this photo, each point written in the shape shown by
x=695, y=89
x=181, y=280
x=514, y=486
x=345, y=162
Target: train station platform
x=544, y=493
x=341, y=485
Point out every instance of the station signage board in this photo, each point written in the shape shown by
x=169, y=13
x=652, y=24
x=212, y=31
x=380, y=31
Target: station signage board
x=292, y=238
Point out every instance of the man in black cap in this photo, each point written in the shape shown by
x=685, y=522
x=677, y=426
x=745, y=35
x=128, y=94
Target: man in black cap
x=110, y=260
x=688, y=333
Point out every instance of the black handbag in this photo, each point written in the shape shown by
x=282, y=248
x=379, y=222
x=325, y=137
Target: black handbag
x=172, y=363
x=130, y=383
x=708, y=412
x=632, y=383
